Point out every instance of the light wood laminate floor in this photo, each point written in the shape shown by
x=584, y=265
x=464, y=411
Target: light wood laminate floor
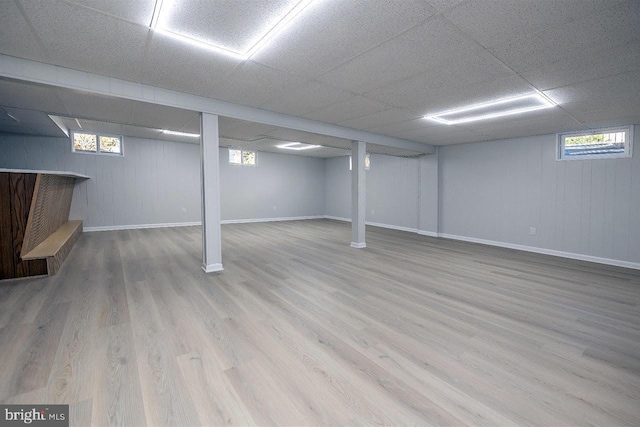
x=301, y=329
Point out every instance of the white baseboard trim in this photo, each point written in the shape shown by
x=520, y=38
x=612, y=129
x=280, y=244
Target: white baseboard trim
x=336, y=218
x=392, y=227
x=187, y=224
x=212, y=268
x=374, y=224
x=428, y=233
x=358, y=245
x=571, y=255
x=287, y=218
x=139, y=226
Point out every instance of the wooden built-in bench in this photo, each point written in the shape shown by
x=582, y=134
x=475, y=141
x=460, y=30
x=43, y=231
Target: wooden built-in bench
x=57, y=246
x=35, y=232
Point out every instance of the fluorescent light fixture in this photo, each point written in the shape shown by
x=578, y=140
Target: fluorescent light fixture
x=176, y=133
x=493, y=109
x=287, y=19
x=156, y=14
x=297, y=146
x=13, y=117
x=78, y=123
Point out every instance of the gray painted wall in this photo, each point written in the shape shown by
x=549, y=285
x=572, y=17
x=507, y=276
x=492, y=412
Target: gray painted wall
x=150, y=184
x=281, y=186
x=337, y=196
x=498, y=190
x=167, y=179
x=401, y=192
x=428, y=183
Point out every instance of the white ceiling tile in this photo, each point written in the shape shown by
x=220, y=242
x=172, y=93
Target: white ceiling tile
x=442, y=5
x=254, y=84
x=308, y=97
x=534, y=127
x=434, y=92
x=394, y=129
x=138, y=11
x=609, y=28
x=229, y=24
x=390, y=151
x=147, y=133
x=159, y=116
x=569, y=71
x=80, y=104
x=379, y=119
x=380, y=66
x=357, y=106
x=86, y=40
x=15, y=37
x=94, y=126
x=619, y=116
x=427, y=46
x=28, y=121
x=493, y=22
x=332, y=32
x=599, y=94
x=192, y=125
x=30, y=117
x=242, y=129
x=438, y=136
x=29, y=96
x=168, y=58
x=291, y=135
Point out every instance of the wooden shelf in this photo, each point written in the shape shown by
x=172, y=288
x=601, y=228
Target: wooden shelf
x=58, y=173
x=52, y=244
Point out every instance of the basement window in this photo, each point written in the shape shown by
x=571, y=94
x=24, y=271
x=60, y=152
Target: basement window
x=367, y=162
x=242, y=157
x=95, y=143
x=597, y=144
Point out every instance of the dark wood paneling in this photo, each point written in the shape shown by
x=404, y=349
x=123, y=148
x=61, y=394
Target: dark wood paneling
x=17, y=193
x=7, y=268
x=22, y=187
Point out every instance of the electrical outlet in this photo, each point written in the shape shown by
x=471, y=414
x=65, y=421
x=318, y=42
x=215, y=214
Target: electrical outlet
x=533, y=231
x=183, y=211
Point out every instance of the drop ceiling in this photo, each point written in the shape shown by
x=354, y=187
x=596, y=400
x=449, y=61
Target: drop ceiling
x=376, y=65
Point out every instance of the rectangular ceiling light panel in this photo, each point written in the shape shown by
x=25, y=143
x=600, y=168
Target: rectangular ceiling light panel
x=297, y=146
x=493, y=109
x=164, y=7
x=176, y=133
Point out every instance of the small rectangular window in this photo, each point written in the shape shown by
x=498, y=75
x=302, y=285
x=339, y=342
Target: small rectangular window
x=367, y=162
x=88, y=142
x=84, y=142
x=110, y=144
x=235, y=156
x=597, y=144
x=242, y=157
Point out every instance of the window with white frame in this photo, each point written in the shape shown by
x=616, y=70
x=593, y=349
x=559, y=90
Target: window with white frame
x=96, y=143
x=242, y=157
x=367, y=162
x=596, y=144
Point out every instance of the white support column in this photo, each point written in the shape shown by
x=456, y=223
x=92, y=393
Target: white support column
x=358, y=192
x=210, y=188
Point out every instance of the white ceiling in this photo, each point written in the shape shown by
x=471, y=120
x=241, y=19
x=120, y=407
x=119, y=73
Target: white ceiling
x=376, y=65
